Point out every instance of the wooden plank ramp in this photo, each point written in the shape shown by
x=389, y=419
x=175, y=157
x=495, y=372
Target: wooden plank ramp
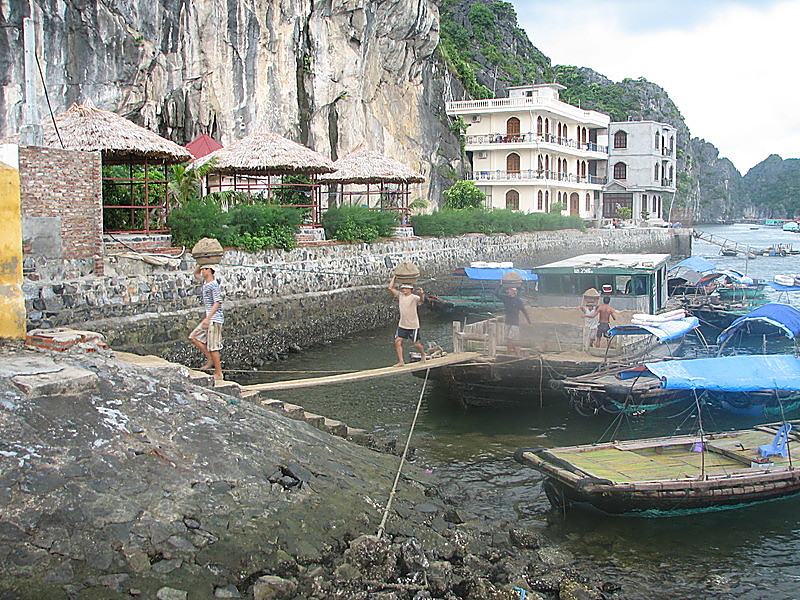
x=450, y=359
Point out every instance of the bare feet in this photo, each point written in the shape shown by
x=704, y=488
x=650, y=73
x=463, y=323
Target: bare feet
x=208, y=365
x=400, y=364
x=217, y=377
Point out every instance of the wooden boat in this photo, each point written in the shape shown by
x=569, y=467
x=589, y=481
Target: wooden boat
x=477, y=285
x=670, y=474
x=752, y=385
x=554, y=345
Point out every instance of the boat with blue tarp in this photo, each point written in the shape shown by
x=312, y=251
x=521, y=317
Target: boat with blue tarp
x=554, y=343
x=638, y=389
x=477, y=285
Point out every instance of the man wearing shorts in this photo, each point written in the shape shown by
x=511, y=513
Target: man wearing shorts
x=408, y=328
x=514, y=307
x=604, y=314
x=207, y=336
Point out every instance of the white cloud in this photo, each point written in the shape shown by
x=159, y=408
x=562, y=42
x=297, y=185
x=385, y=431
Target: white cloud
x=733, y=74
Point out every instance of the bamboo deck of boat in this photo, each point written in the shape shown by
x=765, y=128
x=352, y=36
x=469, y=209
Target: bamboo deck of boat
x=641, y=461
x=668, y=473
x=450, y=359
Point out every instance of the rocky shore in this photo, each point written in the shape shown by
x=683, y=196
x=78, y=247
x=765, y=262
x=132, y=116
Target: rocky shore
x=123, y=482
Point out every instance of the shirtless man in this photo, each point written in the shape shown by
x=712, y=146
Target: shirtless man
x=408, y=327
x=604, y=314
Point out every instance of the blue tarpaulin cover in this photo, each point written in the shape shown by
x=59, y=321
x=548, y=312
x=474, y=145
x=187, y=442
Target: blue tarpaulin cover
x=497, y=274
x=782, y=288
x=668, y=330
x=744, y=373
x=782, y=316
x=695, y=263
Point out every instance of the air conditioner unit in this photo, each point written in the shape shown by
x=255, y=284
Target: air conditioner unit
x=476, y=118
x=483, y=154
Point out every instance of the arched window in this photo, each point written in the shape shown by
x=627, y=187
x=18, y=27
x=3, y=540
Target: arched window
x=583, y=136
x=547, y=163
x=539, y=200
x=539, y=125
x=655, y=173
x=655, y=205
x=583, y=169
x=565, y=132
x=588, y=202
x=559, y=129
x=670, y=173
x=547, y=201
x=512, y=127
x=564, y=166
x=512, y=163
x=644, y=202
x=620, y=139
x=540, y=164
x=512, y=200
x=620, y=170
x=546, y=126
x=658, y=141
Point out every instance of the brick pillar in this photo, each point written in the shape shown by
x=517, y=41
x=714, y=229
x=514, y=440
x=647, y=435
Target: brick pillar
x=12, y=301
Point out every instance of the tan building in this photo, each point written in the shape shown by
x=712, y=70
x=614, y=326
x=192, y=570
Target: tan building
x=531, y=150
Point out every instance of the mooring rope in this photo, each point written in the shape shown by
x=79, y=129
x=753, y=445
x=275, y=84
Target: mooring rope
x=382, y=526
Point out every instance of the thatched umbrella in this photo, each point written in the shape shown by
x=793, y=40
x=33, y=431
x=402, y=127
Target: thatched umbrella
x=249, y=165
x=120, y=141
x=267, y=154
x=365, y=167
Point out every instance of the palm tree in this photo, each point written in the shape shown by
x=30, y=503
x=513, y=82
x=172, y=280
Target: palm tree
x=185, y=181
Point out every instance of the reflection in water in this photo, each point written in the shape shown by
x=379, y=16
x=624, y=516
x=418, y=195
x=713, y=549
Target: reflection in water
x=749, y=553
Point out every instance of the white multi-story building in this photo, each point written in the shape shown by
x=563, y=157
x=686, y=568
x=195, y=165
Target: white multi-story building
x=641, y=168
x=531, y=150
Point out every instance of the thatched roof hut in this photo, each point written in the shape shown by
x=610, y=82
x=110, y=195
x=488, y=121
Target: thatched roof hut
x=85, y=127
x=367, y=166
x=267, y=154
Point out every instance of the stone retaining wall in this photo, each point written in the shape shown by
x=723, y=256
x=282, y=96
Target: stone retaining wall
x=275, y=300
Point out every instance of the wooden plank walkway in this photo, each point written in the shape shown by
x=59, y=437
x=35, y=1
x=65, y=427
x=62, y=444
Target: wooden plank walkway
x=450, y=359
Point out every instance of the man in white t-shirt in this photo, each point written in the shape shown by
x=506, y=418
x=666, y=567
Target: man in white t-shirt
x=408, y=327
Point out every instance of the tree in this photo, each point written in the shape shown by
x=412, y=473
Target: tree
x=184, y=181
x=464, y=194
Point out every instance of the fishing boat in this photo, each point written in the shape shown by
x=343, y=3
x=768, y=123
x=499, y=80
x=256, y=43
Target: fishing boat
x=740, y=384
x=675, y=474
x=477, y=285
x=554, y=344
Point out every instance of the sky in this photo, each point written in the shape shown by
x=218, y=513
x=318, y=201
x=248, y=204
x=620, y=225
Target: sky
x=730, y=66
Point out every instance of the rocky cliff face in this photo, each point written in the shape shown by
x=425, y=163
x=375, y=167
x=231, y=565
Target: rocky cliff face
x=332, y=75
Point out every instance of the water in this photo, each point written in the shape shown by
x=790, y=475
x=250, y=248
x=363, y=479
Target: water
x=752, y=552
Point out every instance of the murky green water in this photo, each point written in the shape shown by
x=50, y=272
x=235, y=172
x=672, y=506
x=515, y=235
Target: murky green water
x=752, y=552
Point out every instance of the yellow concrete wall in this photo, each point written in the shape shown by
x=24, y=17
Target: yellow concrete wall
x=12, y=301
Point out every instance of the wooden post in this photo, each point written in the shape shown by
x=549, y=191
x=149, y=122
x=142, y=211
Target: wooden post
x=458, y=344
x=493, y=327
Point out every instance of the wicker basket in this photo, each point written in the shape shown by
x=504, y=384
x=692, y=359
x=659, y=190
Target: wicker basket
x=512, y=279
x=406, y=272
x=208, y=251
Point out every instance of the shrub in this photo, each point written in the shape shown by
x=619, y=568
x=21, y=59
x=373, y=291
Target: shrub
x=358, y=223
x=464, y=194
x=450, y=222
x=198, y=218
x=249, y=226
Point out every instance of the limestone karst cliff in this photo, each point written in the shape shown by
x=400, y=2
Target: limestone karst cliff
x=332, y=75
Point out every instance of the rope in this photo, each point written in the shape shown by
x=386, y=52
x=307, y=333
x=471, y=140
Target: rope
x=382, y=526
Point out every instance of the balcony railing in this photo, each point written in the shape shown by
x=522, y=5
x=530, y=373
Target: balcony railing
x=666, y=182
x=531, y=174
x=531, y=138
x=529, y=103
